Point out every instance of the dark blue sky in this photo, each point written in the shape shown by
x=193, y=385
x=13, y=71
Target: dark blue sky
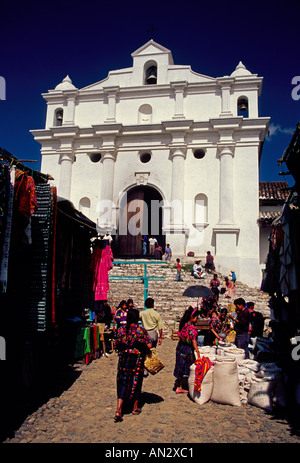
x=40, y=43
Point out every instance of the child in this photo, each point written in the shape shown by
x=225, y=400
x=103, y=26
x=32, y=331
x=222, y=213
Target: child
x=168, y=253
x=233, y=276
x=178, y=276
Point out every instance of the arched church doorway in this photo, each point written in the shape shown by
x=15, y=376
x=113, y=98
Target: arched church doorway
x=140, y=214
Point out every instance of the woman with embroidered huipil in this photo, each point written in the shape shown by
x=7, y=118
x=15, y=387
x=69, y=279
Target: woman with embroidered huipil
x=133, y=343
x=185, y=349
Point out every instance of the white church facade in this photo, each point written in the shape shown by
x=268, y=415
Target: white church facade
x=160, y=149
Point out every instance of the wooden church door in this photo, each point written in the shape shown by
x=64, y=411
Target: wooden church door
x=131, y=222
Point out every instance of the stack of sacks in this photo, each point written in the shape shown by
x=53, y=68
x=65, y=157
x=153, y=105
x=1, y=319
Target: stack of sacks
x=231, y=351
x=267, y=387
x=246, y=369
x=226, y=382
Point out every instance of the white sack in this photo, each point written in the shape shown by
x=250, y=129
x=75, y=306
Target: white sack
x=206, y=386
x=261, y=392
x=226, y=382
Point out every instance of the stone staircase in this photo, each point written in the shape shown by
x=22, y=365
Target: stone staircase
x=167, y=293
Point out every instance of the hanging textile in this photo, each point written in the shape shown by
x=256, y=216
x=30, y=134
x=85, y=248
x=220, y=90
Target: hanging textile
x=288, y=274
x=101, y=264
x=7, y=232
x=202, y=366
x=39, y=290
x=53, y=191
x=25, y=196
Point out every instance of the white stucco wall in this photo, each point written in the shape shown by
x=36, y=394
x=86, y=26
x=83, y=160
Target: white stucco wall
x=184, y=111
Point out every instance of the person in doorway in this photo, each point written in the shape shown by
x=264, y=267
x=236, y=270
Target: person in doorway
x=158, y=252
x=133, y=343
x=152, y=322
x=144, y=239
x=168, y=253
x=186, y=346
x=241, y=325
x=178, y=275
x=152, y=243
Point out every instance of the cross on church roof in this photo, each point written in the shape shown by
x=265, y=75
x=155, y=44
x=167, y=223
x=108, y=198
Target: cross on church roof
x=152, y=30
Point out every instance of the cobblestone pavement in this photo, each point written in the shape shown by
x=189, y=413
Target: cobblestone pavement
x=84, y=412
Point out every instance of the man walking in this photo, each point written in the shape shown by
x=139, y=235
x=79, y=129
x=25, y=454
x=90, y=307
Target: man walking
x=152, y=243
x=152, y=322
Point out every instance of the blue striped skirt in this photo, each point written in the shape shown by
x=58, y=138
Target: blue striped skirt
x=184, y=359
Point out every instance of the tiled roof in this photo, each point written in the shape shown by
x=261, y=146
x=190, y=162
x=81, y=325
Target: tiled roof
x=266, y=216
x=276, y=191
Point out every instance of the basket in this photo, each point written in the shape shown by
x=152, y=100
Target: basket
x=152, y=362
x=230, y=336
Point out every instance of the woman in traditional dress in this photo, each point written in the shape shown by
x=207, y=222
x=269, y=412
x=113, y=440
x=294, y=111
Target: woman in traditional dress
x=185, y=348
x=132, y=342
x=230, y=290
x=214, y=286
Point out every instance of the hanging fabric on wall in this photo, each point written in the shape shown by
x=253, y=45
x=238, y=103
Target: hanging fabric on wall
x=101, y=264
x=7, y=233
x=288, y=270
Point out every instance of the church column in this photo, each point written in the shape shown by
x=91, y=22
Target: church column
x=226, y=231
x=177, y=189
x=105, y=220
x=226, y=154
x=66, y=161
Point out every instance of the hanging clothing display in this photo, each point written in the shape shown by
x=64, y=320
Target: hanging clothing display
x=101, y=264
x=39, y=290
x=6, y=207
x=288, y=269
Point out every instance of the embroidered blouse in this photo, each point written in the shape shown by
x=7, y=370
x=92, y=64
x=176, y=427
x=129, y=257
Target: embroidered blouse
x=121, y=317
x=216, y=324
x=134, y=337
x=187, y=333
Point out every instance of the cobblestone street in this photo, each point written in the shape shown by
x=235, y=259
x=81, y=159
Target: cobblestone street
x=84, y=413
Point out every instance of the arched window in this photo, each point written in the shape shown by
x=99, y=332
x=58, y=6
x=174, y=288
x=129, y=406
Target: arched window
x=242, y=106
x=200, y=211
x=85, y=206
x=58, y=117
x=145, y=114
x=150, y=72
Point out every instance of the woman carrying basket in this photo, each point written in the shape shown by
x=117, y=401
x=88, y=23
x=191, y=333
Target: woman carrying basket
x=133, y=343
x=185, y=348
